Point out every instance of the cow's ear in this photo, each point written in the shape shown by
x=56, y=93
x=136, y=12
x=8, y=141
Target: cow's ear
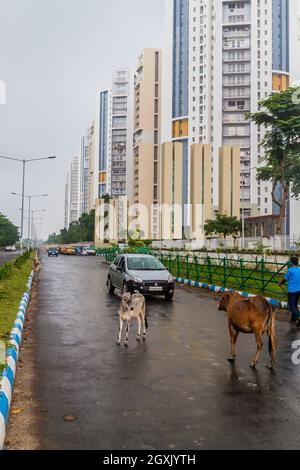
x=227, y=298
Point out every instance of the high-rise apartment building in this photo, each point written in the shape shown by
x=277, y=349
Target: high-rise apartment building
x=113, y=140
x=221, y=58
x=91, y=168
x=74, y=190
x=146, y=135
x=84, y=175
x=67, y=199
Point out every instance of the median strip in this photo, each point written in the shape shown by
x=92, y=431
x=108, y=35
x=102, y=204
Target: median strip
x=218, y=289
x=8, y=376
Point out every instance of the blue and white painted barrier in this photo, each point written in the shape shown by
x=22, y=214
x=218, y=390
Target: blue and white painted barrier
x=218, y=289
x=8, y=376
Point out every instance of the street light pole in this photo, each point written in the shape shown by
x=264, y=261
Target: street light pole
x=243, y=216
x=23, y=196
x=29, y=239
x=24, y=161
x=22, y=213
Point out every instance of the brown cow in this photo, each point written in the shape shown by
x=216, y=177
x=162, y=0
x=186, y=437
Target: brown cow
x=250, y=315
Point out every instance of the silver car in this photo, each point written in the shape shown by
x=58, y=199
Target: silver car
x=140, y=273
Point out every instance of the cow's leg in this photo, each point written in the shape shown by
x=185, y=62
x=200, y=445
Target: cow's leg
x=272, y=349
x=139, y=320
x=233, y=339
x=144, y=326
x=127, y=333
x=259, y=347
x=120, y=332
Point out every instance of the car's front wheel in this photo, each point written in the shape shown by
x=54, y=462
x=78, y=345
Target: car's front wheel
x=125, y=288
x=169, y=296
x=110, y=287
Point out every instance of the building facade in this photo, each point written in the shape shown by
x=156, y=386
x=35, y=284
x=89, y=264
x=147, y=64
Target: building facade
x=91, y=168
x=113, y=137
x=146, y=136
x=67, y=203
x=74, y=190
x=84, y=175
x=221, y=58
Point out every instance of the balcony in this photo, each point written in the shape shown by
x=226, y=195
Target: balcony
x=236, y=135
x=229, y=109
x=230, y=47
x=236, y=34
x=246, y=58
x=232, y=119
x=228, y=83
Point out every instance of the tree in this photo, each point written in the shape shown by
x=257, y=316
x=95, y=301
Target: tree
x=223, y=225
x=279, y=114
x=9, y=233
x=82, y=230
x=54, y=239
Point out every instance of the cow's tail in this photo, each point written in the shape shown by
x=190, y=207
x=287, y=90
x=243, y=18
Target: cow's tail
x=272, y=332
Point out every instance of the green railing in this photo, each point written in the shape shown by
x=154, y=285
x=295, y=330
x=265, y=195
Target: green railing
x=257, y=277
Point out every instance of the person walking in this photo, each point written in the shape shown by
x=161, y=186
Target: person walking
x=292, y=277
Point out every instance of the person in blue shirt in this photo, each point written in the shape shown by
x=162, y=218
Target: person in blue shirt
x=292, y=277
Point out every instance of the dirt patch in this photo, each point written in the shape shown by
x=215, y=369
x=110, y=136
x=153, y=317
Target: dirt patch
x=22, y=428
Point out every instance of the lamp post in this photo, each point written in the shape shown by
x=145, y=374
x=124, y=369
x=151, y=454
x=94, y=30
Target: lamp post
x=24, y=161
x=29, y=208
x=31, y=220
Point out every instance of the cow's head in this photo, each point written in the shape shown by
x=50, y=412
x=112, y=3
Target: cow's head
x=126, y=300
x=224, y=302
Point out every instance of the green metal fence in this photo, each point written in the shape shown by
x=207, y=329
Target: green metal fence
x=248, y=275
x=256, y=276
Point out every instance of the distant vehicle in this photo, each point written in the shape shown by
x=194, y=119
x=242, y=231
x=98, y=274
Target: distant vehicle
x=140, y=273
x=70, y=250
x=10, y=248
x=53, y=252
x=67, y=250
x=87, y=251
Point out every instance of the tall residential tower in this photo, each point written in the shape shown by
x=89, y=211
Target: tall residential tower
x=221, y=58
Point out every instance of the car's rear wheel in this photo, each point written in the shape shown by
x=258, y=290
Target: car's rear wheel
x=110, y=287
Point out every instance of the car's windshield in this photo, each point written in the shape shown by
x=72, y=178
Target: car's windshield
x=145, y=264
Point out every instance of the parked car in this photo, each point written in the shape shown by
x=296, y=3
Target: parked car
x=70, y=250
x=10, y=248
x=140, y=273
x=53, y=252
x=88, y=251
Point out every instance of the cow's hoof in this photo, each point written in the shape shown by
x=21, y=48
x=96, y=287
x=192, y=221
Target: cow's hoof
x=138, y=339
x=270, y=366
x=231, y=359
x=144, y=338
x=252, y=365
x=118, y=342
x=126, y=345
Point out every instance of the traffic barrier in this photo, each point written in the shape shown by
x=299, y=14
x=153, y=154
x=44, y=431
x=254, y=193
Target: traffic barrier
x=8, y=376
x=218, y=289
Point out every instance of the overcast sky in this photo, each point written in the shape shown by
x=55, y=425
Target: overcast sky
x=54, y=56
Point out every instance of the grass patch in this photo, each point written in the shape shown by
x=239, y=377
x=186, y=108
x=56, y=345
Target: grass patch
x=11, y=291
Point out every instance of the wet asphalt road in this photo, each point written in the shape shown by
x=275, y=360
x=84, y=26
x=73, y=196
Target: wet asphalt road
x=8, y=256
x=176, y=391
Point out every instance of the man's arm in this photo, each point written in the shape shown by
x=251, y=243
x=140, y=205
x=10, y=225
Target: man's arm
x=285, y=279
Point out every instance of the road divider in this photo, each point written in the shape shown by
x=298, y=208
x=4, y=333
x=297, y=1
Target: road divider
x=12, y=354
x=220, y=290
